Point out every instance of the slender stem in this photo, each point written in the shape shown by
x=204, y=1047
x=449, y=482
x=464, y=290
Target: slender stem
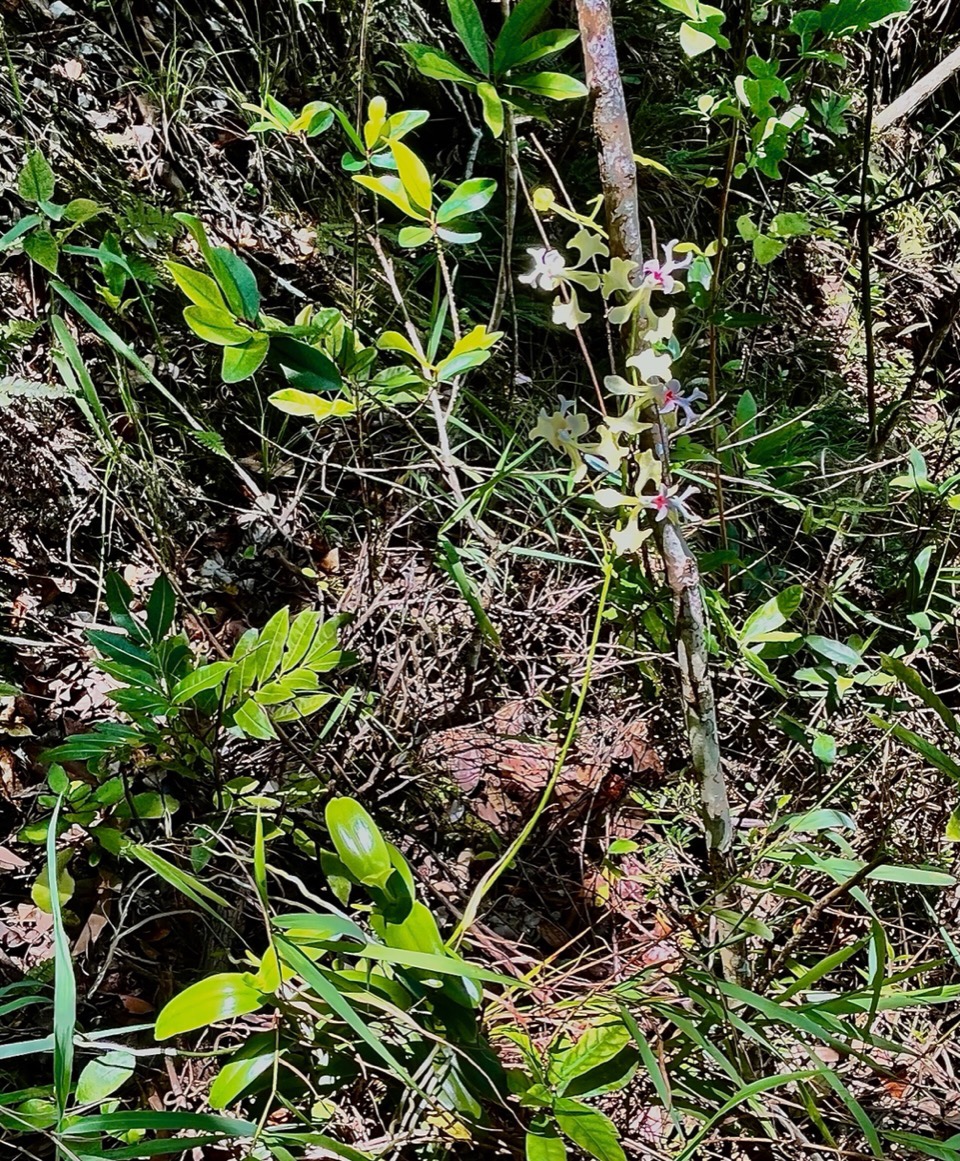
x=866, y=303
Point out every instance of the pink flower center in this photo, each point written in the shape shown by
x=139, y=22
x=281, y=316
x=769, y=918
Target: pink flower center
x=661, y=501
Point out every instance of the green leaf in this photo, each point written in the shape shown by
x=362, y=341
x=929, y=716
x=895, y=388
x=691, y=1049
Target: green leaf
x=215, y=326
x=789, y=225
x=766, y=249
x=35, y=182
x=181, y=881
x=40, y=892
x=825, y=749
x=492, y=107
x=241, y=362
x=18, y=229
x=120, y=601
x=915, y=683
x=457, y=238
x=103, y=1076
x=327, y=992
x=433, y=63
x=65, y=984
x=467, y=198
x=161, y=607
x=590, y=1129
x=834, y=651
x=594, y=1048
x=42, y=247
x=358, y=841
x=81, y=210
x=553, y=86
x=206, y=677
x=410, y=237
x=452, y=566
x=771, y=615
x=253, y=721
x=695, y=40
x=413, y=176
x=544, y=44
x=304, y=367
x=544, y=1146
x=295, y=402
x=251, y=1061
x=392, y=188
x=200, y=288
x=218, y=997
x=521, y=22
x=468, y=22
x=237, y=282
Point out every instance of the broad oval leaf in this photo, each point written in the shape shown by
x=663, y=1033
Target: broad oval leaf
x=103, y=1076
x=252, y=1061
x=771, y=615
x=358, y=841
x=304, y=366
x=433, y=63
x=42, y=247
x=467, y=198
x=241, y=362
x=413, y=176
x=218, y=997
x=237, y=282
x=215, y=326
x=200, y=288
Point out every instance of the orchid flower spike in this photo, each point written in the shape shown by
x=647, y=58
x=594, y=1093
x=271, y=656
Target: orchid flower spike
x=670, y=398
x=670, y=503
x=660, y=275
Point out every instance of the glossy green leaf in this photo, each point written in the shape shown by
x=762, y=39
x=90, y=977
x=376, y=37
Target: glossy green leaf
x=553, y=86
x=834, y=651
x=253, y=721
x=241, y=362
x=544, y=44
x=200, y=288
x=358, y=841
x=517, y=28
x=595, y=1047
x=414, y=176
x=255, y=1058
x=316, y=407
x=237, y=281
x=433, y=63
x=161, y=607
x=18, y=229
x=103, y=1076
x=206, y=677
x=544, y=1146
x=771, y=615
x=304, y=367
x=467, y=198
x=492, y=108
x=410, y=237
x=208, y=1001
x=215, y=326
x=393, y=189
x=81, y=210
